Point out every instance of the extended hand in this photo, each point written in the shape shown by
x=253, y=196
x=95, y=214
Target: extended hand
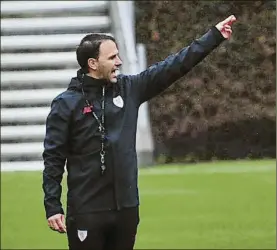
x=57, y=223
x=225, y=26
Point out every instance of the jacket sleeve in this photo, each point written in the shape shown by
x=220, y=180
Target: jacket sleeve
x=161, y=75
x=54, y=155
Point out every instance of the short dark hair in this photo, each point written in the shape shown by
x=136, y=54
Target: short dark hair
x=89, y=48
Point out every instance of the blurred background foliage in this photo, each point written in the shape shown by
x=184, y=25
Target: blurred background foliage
x=225, y=107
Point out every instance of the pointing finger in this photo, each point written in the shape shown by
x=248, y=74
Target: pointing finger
x=229, y=20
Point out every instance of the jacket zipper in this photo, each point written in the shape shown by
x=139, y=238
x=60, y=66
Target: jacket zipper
x=114, y=178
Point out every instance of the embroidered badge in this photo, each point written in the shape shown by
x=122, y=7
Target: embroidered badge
x=82, y=234
x=87, y=109
x=118, y=101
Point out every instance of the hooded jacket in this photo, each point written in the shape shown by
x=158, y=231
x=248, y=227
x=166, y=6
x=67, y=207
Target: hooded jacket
x=72, y=136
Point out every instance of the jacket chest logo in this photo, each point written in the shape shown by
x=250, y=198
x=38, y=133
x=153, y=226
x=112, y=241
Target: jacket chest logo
x=118, y=101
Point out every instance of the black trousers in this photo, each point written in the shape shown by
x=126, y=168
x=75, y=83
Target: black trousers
x=110, y=230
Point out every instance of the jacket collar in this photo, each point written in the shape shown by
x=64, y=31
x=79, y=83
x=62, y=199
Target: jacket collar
x=90, y=84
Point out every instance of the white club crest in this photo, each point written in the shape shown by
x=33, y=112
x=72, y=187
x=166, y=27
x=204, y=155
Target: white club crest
x=82, y=234
x=118, y=101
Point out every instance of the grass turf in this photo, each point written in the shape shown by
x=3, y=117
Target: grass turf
x=210, y=205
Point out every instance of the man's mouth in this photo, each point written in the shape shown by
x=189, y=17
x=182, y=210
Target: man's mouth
x=115, y=72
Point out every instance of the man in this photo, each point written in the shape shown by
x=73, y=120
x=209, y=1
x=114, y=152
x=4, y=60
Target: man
x=92, y=126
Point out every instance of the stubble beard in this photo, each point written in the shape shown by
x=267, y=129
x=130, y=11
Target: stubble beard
x=113, y=80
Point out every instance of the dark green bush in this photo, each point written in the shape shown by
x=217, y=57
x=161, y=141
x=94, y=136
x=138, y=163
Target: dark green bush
x=225, y=107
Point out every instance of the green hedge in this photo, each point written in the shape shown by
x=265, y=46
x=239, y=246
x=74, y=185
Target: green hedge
x=225, y=107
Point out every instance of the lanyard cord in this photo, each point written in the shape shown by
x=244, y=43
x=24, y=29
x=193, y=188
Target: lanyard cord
x=102, y=131
x=101, y=126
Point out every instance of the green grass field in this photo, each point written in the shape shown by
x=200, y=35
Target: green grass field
x=213, y=206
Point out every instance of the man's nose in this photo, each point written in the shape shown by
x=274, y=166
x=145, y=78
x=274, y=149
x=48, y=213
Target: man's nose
x=118, y=62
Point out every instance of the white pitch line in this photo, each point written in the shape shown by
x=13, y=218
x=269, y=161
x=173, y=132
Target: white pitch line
x=206, y=170
x=173, y=170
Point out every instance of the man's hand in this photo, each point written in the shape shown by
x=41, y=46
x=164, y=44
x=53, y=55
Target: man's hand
x=57, y=223
x=225, y=26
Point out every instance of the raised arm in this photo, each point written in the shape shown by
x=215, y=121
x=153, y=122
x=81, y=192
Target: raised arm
x=161, y=75
x=54, y=155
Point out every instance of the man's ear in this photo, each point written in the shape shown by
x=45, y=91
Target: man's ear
x=92, y=63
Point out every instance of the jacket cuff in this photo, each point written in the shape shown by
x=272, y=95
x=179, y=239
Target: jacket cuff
x=53, y=212
x=218, y=36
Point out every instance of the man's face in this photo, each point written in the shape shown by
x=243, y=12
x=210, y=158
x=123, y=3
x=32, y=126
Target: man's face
x=108, y=62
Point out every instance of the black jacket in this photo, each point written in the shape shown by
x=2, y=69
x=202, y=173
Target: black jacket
x=74, y=138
